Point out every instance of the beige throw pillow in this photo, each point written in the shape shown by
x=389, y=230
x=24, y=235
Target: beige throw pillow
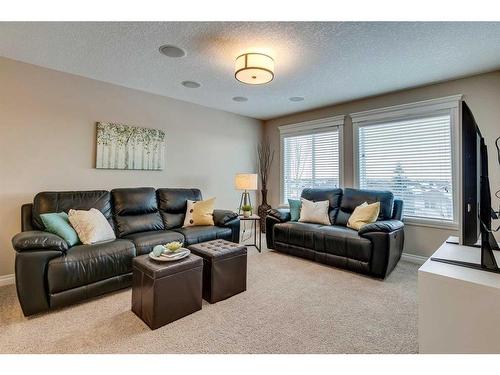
x=364, y=214
x=91, y=226
x=199, y=213
x=314, y=212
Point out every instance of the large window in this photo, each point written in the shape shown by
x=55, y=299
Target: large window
x=412, y=157
x=310, y=159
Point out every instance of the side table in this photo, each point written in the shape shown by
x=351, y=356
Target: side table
x=255, y=219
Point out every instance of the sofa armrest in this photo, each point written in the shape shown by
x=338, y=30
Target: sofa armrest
x=385, y=226
x=234, y=224
x=281, y=214
x=271, y=221
x=387, y=248
x=31, y=279
x=228, y=219
x=222, y=217
x=38, y=240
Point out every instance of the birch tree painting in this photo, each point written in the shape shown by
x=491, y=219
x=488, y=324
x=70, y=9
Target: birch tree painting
x=129, y=147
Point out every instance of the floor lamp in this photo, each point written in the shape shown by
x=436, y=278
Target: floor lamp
x=245, y=182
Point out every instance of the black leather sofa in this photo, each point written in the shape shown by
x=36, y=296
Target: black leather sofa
x=374, y=250
x=49, y=274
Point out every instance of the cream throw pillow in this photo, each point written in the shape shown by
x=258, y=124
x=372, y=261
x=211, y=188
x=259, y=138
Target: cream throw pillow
x=364, y=214
x=91, y=226
x=199, y=213
x=188, y=219
x=314, y=212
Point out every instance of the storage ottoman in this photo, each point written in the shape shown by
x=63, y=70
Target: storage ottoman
x=164, y=292
x=224, y=268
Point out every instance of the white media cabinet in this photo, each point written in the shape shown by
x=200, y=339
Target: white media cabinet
x=458, y=307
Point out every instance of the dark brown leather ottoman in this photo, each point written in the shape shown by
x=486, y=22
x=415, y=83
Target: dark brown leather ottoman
x=164, y=292
x=224, y=268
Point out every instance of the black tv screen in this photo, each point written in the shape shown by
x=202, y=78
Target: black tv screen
x=471, y=178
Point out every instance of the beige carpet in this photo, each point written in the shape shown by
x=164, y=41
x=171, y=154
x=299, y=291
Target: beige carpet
x=291, y=306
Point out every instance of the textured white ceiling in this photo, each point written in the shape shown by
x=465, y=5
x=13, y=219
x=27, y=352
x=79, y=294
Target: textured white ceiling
x=326, y=63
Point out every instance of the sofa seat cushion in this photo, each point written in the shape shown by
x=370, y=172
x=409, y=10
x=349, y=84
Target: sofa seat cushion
x=296, y=233
x=330, y=239
x=193, y=235
x=87, y=264
x=342, y=241
x=145, y=241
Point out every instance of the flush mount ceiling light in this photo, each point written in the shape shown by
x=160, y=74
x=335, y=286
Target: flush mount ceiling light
x=254, y=68
x=296, y=98
x=172, y=51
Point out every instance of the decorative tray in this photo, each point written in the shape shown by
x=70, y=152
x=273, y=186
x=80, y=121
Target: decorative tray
x=171, y=256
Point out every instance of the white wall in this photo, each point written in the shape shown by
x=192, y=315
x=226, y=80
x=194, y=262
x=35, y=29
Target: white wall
x=47, y=141
x=482, y=94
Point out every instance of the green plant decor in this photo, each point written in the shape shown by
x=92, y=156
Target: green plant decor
x=174, y=246
x=246, y=207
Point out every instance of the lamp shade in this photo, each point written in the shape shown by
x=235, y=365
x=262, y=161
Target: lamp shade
x=245, y=181
x=254, y=68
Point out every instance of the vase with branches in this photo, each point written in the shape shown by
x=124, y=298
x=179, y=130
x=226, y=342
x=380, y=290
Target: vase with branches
x=266, y=157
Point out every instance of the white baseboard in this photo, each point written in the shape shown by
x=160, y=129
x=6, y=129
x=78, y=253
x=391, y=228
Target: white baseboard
x=412, y=258
x=7, y=280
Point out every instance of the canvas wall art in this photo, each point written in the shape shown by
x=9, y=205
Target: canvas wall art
x=122, y=146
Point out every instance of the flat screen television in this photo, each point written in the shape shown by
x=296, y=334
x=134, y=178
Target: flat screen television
x=476, y=196
x=471, y=178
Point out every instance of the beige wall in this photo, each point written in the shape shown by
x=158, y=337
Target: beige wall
x=47, y=141
x=482, y=93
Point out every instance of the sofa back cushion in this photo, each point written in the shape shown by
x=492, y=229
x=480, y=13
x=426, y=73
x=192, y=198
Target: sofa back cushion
x=135, y=210
x=173, y=203
x=332, y=195
x=63, y=201
x=352, y=198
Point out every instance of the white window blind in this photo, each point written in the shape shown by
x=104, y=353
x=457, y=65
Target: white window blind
x=310, y=161
x=413, y=159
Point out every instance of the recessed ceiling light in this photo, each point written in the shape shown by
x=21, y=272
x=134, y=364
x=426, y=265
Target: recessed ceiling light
x=240, y=99
x=172, y=51
x=296, y=98
x=191, y=84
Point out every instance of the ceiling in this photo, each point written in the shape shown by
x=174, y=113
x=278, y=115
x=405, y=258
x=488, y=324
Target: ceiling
x=325, y=63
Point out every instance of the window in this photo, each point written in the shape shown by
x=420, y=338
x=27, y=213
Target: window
x=310, y=158
x=411, y=154
x=412, y=158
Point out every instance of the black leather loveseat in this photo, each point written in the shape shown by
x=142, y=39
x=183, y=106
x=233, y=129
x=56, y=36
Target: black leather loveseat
x=374, y=250
x=51, y=275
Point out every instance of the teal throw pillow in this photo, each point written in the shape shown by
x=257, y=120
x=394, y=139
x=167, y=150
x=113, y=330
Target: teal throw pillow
x=58, y=223
x=295, y=206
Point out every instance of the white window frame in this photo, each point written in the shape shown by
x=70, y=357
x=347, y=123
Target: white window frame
x=446, y=105
x=311, y=127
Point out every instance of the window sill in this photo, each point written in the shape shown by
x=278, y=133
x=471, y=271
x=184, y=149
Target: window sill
x=429, y=223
